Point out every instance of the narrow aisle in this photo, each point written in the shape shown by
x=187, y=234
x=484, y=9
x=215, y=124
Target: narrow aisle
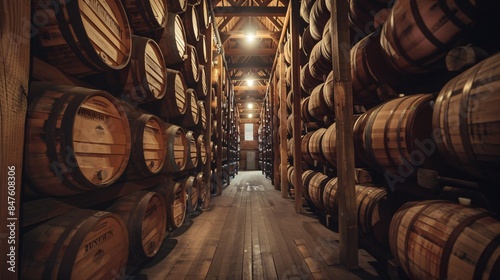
x=250, y=232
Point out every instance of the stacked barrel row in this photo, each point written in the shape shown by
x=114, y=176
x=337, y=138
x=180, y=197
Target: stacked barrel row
x=134, y=108
x=453, y=132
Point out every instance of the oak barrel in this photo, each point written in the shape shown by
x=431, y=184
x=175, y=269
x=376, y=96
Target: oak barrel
x=94, y=149
x=146, y=15
x=330, y=199
x=319, y=65
x=306, y=179
x=174, y=102
x=304, y=146
x=467, y=120
x=202, y=114
x=315, y=189
x=397, y=136
x=317, y=106
x=193, y=194
x=201, y=184
x=145, y=216
x=144, y=79
x=192, y=159
x=177, y=6
x=289, y=173
x=442, y=240
x=175, y=199
x=308, y=42
x=203, y=15
x=307, y=81
x=192, y=115
x=368, y=14
x=201, y=148
x=329, y=144
x=177, y=147
x=202, y=85
x=173, y=42
x=80, y=244
x=374, y=215
x=148, y=151
x=315, y=146
x=83, y=37
x=304, y=111
x=189, y=68
x=202, y=50
x=418, y=34
x=191, y=25
x=305, y=9
x=317, y=18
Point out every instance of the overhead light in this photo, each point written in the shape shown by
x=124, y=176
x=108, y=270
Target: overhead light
x=249, y=82
x=250, y=115
x=250, y=31
x=250, y=37
x=250, y=105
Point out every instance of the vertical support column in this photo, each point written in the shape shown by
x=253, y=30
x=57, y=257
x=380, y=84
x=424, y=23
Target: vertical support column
x=297, y=130
x=218, y=156
x=348, y=224
x=275, y=129
x=207, y=168
x=14, y=77
x=281, y=90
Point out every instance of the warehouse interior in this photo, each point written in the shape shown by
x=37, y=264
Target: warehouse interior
x=250, y=139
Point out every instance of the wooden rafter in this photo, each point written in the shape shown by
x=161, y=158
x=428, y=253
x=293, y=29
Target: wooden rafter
x=243, y=11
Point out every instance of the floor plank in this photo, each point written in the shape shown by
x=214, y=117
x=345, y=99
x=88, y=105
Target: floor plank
x=250, y=232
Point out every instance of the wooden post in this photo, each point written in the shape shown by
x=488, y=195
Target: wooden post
x=218, y=156
x=207, y=168
x=348, y=225
x=14, y=76
x=275, y=129
x=281, y=90
x=297, y=130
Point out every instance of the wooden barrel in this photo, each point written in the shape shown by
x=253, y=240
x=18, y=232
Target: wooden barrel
x=315, y=146
x=417, y=35
x=177, y=6
x=202, y=85
x=304, y=146
x=148, y=152
x=397, y=136
x=96, y=139
x=203, y=15
x=315, y=189
x=189, y=68
x=329, y=145
x=330, y=196
x=80, y=244
x=177, y=147
x=442, y=240
x=319, y=66
x=146, y=15
x=193, y=193
x=173, y=42
x=144, y=79
x=192, y=159
x=201, y=184
x=202, y=49
x=191, y=25
x=289, y=173
x=145, y=216
x=174, y=102
x=287, y=51
x=366, y=14
x=289, y=125
x=201, y=148
x=305, y=9
x=306, y=178
x=317, y=106
x=83, y=37
x=288, y=76
x=374, y=215
x=328, y=93
x=175, y=199
x=317, y=18
x=307, y=81
x=466, y=117
x=308, y=42
x=370, y=69
x=191, y=117
x=304, y=111
x=202, y=114
x=289, y=100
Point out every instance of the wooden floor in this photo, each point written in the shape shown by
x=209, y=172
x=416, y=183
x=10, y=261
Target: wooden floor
x=250, y=232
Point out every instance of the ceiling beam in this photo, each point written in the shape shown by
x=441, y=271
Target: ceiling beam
x=244, y=11
x=245, y=66
x=250, y=51
x=244, y=78
x=236, y=88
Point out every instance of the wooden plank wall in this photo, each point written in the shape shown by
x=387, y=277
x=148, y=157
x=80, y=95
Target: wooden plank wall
x=15, y=37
